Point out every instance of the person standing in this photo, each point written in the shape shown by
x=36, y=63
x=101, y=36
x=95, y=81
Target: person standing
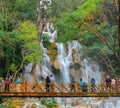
x=108, y=81
x=117, y=82
x=18, y=81
x=52, y=78
x=73, y=85
x=7, y=84
x=92, y=84
x=83, y=85
x=47, y=84
x=2, y=85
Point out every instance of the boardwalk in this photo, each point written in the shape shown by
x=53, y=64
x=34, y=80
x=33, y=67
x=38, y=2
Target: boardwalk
x=58, y=90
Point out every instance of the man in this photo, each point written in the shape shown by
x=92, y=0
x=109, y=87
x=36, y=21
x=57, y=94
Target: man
x=108, y=82
x=73, y=83
x=92, y=84
x=83, y=85
x=47, y=84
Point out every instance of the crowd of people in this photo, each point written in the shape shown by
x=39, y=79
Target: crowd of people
x=5, y=83
x=109, y=82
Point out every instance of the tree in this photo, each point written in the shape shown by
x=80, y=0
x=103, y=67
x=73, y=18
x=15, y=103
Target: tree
x=92, y=23
x=31, y=49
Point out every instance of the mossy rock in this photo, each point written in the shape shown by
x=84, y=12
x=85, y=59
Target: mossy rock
x=32, y=106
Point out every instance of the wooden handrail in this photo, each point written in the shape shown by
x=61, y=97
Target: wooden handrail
x=60, y=88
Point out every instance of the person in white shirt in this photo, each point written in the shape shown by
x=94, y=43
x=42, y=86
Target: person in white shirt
x=52, y=78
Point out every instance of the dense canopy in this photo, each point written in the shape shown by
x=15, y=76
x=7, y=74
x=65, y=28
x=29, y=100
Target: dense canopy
x=94, y=23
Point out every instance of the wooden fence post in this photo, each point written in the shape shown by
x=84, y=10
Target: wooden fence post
x=53, y=87
x=78, y=88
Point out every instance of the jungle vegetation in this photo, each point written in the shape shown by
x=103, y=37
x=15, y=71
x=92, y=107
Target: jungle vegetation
x=94, y=23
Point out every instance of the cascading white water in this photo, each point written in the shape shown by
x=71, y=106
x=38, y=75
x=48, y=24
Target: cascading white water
x=52, y=35
x=88, y=67
x=64, y=62
x=118, y=104
x=46, y=64
x=91, y=70
x=29, y=105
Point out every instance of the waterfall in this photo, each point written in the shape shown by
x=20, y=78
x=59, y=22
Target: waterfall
x=64, y=61
x=118, y=104
x=46, y=64
x=51, y=32
x=91, y=70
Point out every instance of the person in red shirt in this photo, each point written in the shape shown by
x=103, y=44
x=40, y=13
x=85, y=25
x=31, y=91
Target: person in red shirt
x=117, y=82
x=7, y=83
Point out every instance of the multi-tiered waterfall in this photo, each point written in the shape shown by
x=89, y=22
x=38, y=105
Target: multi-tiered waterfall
x=87, y=68
x=70, y=65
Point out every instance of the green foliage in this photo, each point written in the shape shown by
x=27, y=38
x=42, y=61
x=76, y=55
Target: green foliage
x=70, y=24
x=45, y=37
x=88, y=8
x=13, y=67
x=34, y=53
x=9, y=103
x=50, y=103
x=60, y=6
x=22, y=9
x=28, y=31
x=10, y=51
x=31, y=47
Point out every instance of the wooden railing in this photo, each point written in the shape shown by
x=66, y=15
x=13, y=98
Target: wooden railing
x=56, y=89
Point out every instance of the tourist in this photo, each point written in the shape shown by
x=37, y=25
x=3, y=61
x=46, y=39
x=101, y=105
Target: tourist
x=47, y=84
x=73, y=85
x=83, y=85
x=18, y=81
x=92, y=84
x=7, y=84
x=2, y=85
x=117, y=82
x=108, y=81
x=52, y=78
x=52, y=84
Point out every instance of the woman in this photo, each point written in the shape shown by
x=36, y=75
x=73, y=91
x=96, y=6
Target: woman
x=7, y=84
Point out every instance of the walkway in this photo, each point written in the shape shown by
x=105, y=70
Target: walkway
x=58, y=90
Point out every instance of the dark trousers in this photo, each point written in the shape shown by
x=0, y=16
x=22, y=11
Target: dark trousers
x=47, y=87
x=73, y=87
x=108, y=85
x=7, y=89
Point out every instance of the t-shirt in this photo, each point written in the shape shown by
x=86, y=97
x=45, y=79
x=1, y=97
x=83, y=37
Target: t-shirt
x=108, y=80
x=52, y=79
x=18, y=81
x=113, y=82
x=82, y=83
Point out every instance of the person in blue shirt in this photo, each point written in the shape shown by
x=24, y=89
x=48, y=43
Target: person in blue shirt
x=83, y=85
x=18, y=81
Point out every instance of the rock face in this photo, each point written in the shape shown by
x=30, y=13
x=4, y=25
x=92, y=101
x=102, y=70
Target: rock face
x=62, y=60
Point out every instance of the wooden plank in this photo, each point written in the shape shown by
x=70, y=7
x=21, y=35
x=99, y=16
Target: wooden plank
x=15, y=94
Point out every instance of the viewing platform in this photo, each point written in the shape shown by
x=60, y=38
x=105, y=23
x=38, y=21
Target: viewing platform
x=59, y=90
